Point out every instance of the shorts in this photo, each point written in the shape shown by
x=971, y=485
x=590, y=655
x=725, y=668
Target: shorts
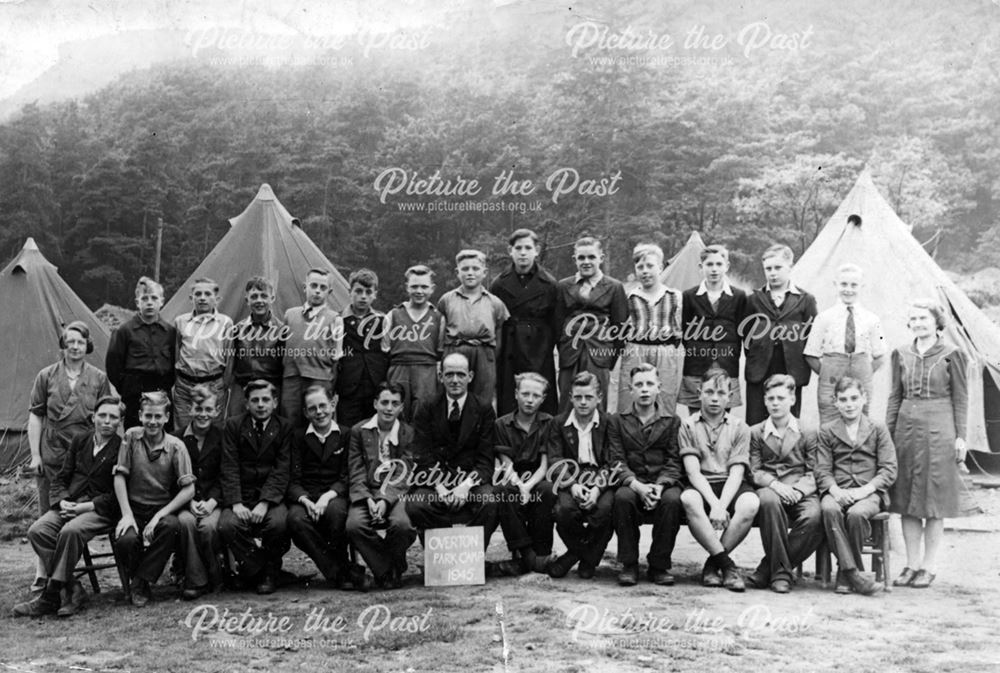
x=717, y=487
x=690, y=392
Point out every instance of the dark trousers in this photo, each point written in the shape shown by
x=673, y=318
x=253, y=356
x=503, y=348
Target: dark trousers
x=381, y=555
x=848, y=528
x=426, y=510
x=239, y=536
x=325, y=540
x=358, y=406
x=785, y=549
x=586, y=533
x=146, y=562
x=629, y=514
x=527, y=525
x=59, y=542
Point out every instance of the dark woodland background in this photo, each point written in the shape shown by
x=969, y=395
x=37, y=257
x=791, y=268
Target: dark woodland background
x=747, y=150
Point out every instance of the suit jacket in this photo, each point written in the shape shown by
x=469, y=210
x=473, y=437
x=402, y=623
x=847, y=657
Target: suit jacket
x=470, y=451
x=528, y=335
x=206, y=464
x=255, y=470
x=564, y=445
x=790, y=459
x=654, y=458
x=766, y=326
x=85, y=477
x=701, y=321
x=363, y=461
x=848, y=464
x=606, y=306
x=363, y=360
x=318, y=466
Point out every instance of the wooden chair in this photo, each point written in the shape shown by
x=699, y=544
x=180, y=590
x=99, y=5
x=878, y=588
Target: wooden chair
x=91, y=563
x=876, y=546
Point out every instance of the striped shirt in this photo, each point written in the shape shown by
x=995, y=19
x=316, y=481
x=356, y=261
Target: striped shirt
x=657, y=321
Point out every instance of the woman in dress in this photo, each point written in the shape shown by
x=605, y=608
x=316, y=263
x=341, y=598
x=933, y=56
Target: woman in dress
x=927, y=418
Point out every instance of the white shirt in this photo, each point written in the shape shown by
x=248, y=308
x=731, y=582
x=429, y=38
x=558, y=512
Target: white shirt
x=770, y=429
x=391, y=438
x=830, y=329
x=586, y=443
x=322, y=438
x=852, y=430
x=588, y=284
x=98, y=447
x=461, y=404
x=778, y=297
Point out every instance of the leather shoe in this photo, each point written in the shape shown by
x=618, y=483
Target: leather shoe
x=711, y=576
x=756, y=580
x=781, y=586
x=732, y=579
x=194, y=593
x=586, y=571
x=76, y=598
x=922, y=579
x=141, y=593
x=861, y=584
x=40, y=605
x=267, y=584
x=905, y=578
x=841, y=586
x=660, y=577
x=629, y=576
x=358, y=578
x=562, y=565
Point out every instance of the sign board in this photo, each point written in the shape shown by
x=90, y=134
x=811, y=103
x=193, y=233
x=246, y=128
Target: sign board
x=454, y=556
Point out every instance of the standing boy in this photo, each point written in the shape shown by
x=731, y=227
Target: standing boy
x=713, y=312
x=314, y=345
x=529, y=335
x=153, y=481
x=715, y=448
x=414, y=339
x=256, y=448
x=855, y=466
x=380, y=461
x=591, y=310
x=781, y=461
x=473, y=318
x=142, y=351
x=845, y=340
x=775, y=330
x=204, y=337
x=364, y=363
x=258, y=344
x=652, y=478
x=585, y=472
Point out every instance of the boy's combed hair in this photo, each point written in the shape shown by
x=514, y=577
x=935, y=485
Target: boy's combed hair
x=710, y=250
x=643, y=368
x=259, y=283
x=780, y=381
x=391, y=387
x=202, y=393
x=419, y=270
x=779, y=250
x=318, y=388
x=717, y=376
x=206, y=281
x=934, y=308
x=155, y=398
x=365, y=278
x=259, y=384
x=470, y=254
x=850, y=267
x=531, y=376
x=643, y=250
x=586, y=380
x=147, y=285
x=522, y=233
x=318, y=271
x=113, y=400
x=845, y=383
x=588, y=240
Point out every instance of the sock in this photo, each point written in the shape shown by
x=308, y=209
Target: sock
x=528, y=558
x=721, y=561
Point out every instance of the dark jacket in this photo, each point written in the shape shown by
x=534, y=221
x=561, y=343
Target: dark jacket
x=318, y=466
x=652, y=459
x=85, y=477
x=790, y=460
x=766, y=325
x=847, y=464
x=362, y=460
x=564, y=445
x=363, y=360
x=137, y=348
x=468, y=451
x=606, y=306
x=252, y=470
x=206, y=464
x=702, y=325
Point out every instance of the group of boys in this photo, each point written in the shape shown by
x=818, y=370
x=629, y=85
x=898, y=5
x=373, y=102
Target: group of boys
x=325, y=470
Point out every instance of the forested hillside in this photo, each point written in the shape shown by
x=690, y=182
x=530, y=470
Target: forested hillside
x=745, y=145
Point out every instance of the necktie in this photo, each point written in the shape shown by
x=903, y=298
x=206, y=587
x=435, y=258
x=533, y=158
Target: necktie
x=258, y=427
x=849, y=334
x=455, y=414
x=585, y=288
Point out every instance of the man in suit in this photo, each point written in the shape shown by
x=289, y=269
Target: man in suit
x=585, y=472
x=453, y=451
x=256, y=448
x=379, y=460
x=529, y=334
x=591, y=311
x=83, y=505
x=774, y=332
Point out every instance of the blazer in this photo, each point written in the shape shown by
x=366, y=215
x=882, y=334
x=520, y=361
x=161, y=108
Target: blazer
x=652, y=459
x=254, y=471
x=363, y=462
x=847, y=464
x=564, y=444
x=606, y=305
x=317, y=466
x=85, y=477
x=765, y=326
x=701, y=321
x=790, y=460
x=470, y=451
x=206, y=464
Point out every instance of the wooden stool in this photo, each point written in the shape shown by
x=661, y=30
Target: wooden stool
x=91, y=563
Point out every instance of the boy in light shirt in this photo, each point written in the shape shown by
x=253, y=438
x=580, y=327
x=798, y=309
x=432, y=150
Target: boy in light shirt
x=204, y=341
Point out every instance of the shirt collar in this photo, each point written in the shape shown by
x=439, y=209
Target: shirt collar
x=333, y=428
x=205, y=317
x=349, y=312
x=636, y=290
x=696, y=417
x=372, y=424
x=769, y=429
x=726, y=288
x=266, y=321
x=100, y=445
x=593, y=280
x=595, y=421
x=660, y=412
x=792, y=288
x=461, y=402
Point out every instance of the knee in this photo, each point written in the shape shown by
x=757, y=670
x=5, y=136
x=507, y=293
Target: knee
x=228, y=525
x=768, y=501
x=170, y=525
x=187, y=520
x=624, y=497
x=35, y=532
x=692, y=501
x=747, y=506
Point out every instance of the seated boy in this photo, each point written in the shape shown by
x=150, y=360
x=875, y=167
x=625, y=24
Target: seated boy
x=153, y=481
x=715, y=447
x=200, y=546
x=317, y=490
x=364, y=363
x=379, y=460
x=652, y=477
x=256, y=449
x=781, y=462
x=83, y=505
x=855, y=466
x=584, y=473
x=525, y=497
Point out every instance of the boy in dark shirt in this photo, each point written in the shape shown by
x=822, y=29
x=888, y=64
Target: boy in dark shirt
x=364, y=363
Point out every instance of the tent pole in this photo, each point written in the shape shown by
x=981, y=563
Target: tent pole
x=159, y=248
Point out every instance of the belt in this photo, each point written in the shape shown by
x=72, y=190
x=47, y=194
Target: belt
x=672, y=341
x=199, y=379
